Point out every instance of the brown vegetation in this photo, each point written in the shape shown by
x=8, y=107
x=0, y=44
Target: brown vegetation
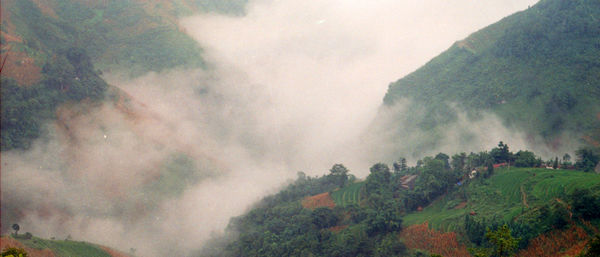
x=320, y=200
x=113, y=252
x=568, y=242
x=445, y=244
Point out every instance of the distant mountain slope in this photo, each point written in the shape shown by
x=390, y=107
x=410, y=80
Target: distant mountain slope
x=538, y=70
x=125, y=36
x=39, y=247
x=132, y=36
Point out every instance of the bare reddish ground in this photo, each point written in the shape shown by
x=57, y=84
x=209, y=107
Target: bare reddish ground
x=6, y=242
x=45, y=8
x=18, y=65
x=445, y=244
x=114, y=253
x=320, y=200
x=21, y=68
x=338, y=228
x=568, y=242
x=460, y=205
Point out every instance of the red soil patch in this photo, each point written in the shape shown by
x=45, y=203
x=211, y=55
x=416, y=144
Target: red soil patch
x=445, y=244
x=114, y=253
x=568, y=242
x=6, y=242
x=45, y=8
x=316, y=201
x=460, y=205
x=10, y=38
x=337, y=228
x=21, y=68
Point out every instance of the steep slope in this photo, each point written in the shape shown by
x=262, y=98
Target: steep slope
x=39, y=40
x=538, y=70
x=134, y=36
x=39, y=247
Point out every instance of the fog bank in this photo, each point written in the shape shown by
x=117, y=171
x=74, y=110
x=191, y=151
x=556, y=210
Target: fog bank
x=291, y=87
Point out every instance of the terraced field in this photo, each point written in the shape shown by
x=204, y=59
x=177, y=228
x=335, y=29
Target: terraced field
x=506, y=195
x=348, y=195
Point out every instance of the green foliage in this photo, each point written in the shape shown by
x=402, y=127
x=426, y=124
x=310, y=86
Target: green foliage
x=280, y=226
x=68, y=77
x=117, y=34
x=587, y=159
x=339, y=173
x=526, y=200
x=499, y=200
x=65, y=247
x=504, y=243
x=538, y=70
x=349, y=195
x=14, y=252
x=585, y=203
x=525, y=159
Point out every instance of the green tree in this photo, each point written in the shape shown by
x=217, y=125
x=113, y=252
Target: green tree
x=16, y=228
x=339, y=174
x=585, y=204
x=459, y=162
x=566, y=159
x=14, y=252
x=503, y=242
x=501, y=153
x=587, y=159
x=525, y=159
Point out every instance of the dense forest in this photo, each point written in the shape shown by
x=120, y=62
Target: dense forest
x=371, y=224
x=73, y=41
x=538, y=70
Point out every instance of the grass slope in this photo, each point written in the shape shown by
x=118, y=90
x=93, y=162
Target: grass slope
x=538, y=69
x=65, y=248
x=506, y=195
x=348, y=195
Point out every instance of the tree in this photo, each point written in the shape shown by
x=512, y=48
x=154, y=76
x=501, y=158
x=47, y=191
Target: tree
x=566, y=159
x=585, y=204
x=16, y=228
x=502, y=240
x=444, y=158
x=525, y=159
x=378, y=181
x=501, y=153
x=587, y=159
x=459, y=161
x=324, y=217
x=555, y=164
x=14, y=252
x=400, y=165
x=339, y=174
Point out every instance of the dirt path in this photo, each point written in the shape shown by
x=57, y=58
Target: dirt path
x=524, y=197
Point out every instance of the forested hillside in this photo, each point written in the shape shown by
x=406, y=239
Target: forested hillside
x=451, y=206
x=54, y=52
x=538, y=70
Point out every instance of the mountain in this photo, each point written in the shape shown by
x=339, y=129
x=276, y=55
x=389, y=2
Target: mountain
x=55, y=52
x=441, y=206
x=538, y=70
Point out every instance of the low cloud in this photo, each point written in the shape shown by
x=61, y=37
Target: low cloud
x=292, y=86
